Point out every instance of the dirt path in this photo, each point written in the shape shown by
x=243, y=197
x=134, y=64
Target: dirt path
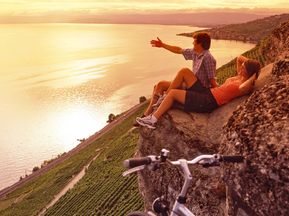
x=69, y=186
x=72, y=152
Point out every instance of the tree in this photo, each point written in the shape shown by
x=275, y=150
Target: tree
x=111, y=117
x=35, y=169
x=142, y=99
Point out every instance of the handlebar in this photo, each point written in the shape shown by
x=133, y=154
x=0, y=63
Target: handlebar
x=152, y=161
x=134, y=162
x=232, y=159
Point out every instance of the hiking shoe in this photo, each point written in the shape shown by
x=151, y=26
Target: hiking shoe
x=135, y=124
x=146, y=121
x=159, y=101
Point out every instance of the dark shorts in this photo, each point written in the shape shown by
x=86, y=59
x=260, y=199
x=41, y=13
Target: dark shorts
x=202, y=102
x=198, y=87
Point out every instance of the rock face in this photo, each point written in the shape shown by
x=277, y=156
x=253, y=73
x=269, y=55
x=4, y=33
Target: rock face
x=277, y=45
x=259, y=130
x=188, y=135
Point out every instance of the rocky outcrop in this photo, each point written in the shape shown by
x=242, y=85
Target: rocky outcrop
x=276, y=46
x=187, y=135
x=254, y=126
x=259, y=130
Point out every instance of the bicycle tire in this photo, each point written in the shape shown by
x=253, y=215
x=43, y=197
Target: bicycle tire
x=138, y=213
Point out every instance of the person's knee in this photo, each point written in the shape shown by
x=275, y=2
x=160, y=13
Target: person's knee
x=160, y=85
x=184, y=71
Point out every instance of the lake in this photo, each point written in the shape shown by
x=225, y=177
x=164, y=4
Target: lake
x=59, y=82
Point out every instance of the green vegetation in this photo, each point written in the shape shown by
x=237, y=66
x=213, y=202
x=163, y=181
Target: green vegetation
x=102, y=191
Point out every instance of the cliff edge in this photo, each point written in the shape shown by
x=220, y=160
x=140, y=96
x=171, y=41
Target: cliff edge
x=255, y=126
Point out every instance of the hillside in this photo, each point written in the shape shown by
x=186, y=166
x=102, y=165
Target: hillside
x=268, y=50
x=252, y=31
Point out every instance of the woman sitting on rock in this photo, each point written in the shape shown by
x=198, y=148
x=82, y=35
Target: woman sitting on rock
x=247, y=72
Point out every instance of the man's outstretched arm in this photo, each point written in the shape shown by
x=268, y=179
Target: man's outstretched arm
x=159, y=43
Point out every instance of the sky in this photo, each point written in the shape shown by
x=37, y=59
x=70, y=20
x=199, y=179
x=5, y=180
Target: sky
x=40, y=7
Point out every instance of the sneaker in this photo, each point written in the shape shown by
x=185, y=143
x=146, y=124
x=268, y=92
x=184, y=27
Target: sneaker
x=135, y=124
x=159, y=101
x=146, y=121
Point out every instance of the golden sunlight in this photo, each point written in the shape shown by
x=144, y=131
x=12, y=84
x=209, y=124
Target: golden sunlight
x=74, y=123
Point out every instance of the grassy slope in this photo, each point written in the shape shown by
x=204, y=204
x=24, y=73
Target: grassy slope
x=102, y=180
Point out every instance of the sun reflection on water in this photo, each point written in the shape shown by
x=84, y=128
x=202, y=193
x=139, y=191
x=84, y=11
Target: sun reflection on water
x=75, y=122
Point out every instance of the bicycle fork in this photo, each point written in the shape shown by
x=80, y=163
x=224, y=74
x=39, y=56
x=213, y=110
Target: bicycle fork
x=179, y=208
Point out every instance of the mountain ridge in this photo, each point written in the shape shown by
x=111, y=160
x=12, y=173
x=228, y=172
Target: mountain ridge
x=251, y=31
x=194, y=19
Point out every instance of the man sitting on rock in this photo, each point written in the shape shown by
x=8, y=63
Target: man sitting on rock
x=209, y=99
x=199, y=79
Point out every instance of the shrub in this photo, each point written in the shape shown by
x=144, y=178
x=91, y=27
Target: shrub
x=111, y=117
x=142, y=99
x=35, y=169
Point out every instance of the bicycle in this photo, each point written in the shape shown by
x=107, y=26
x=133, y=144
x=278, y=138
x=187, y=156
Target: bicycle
x=153, y=162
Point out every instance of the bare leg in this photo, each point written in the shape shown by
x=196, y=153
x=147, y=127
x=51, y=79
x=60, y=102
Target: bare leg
x=185, y=75
x=174, y=95
x=158, y=90
x=184, y=78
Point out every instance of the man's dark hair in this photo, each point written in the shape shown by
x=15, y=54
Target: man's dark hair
x=204, y=39
x=252, y=67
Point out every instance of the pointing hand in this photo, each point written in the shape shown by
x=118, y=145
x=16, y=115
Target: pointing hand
x=157, y=43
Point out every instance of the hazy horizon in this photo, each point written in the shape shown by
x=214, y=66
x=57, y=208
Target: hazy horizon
x=206, y=12
x=18, y=7
x=205, y=20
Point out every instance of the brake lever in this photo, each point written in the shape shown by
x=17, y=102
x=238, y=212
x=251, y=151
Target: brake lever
x=132, y=170
x=210, y=162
